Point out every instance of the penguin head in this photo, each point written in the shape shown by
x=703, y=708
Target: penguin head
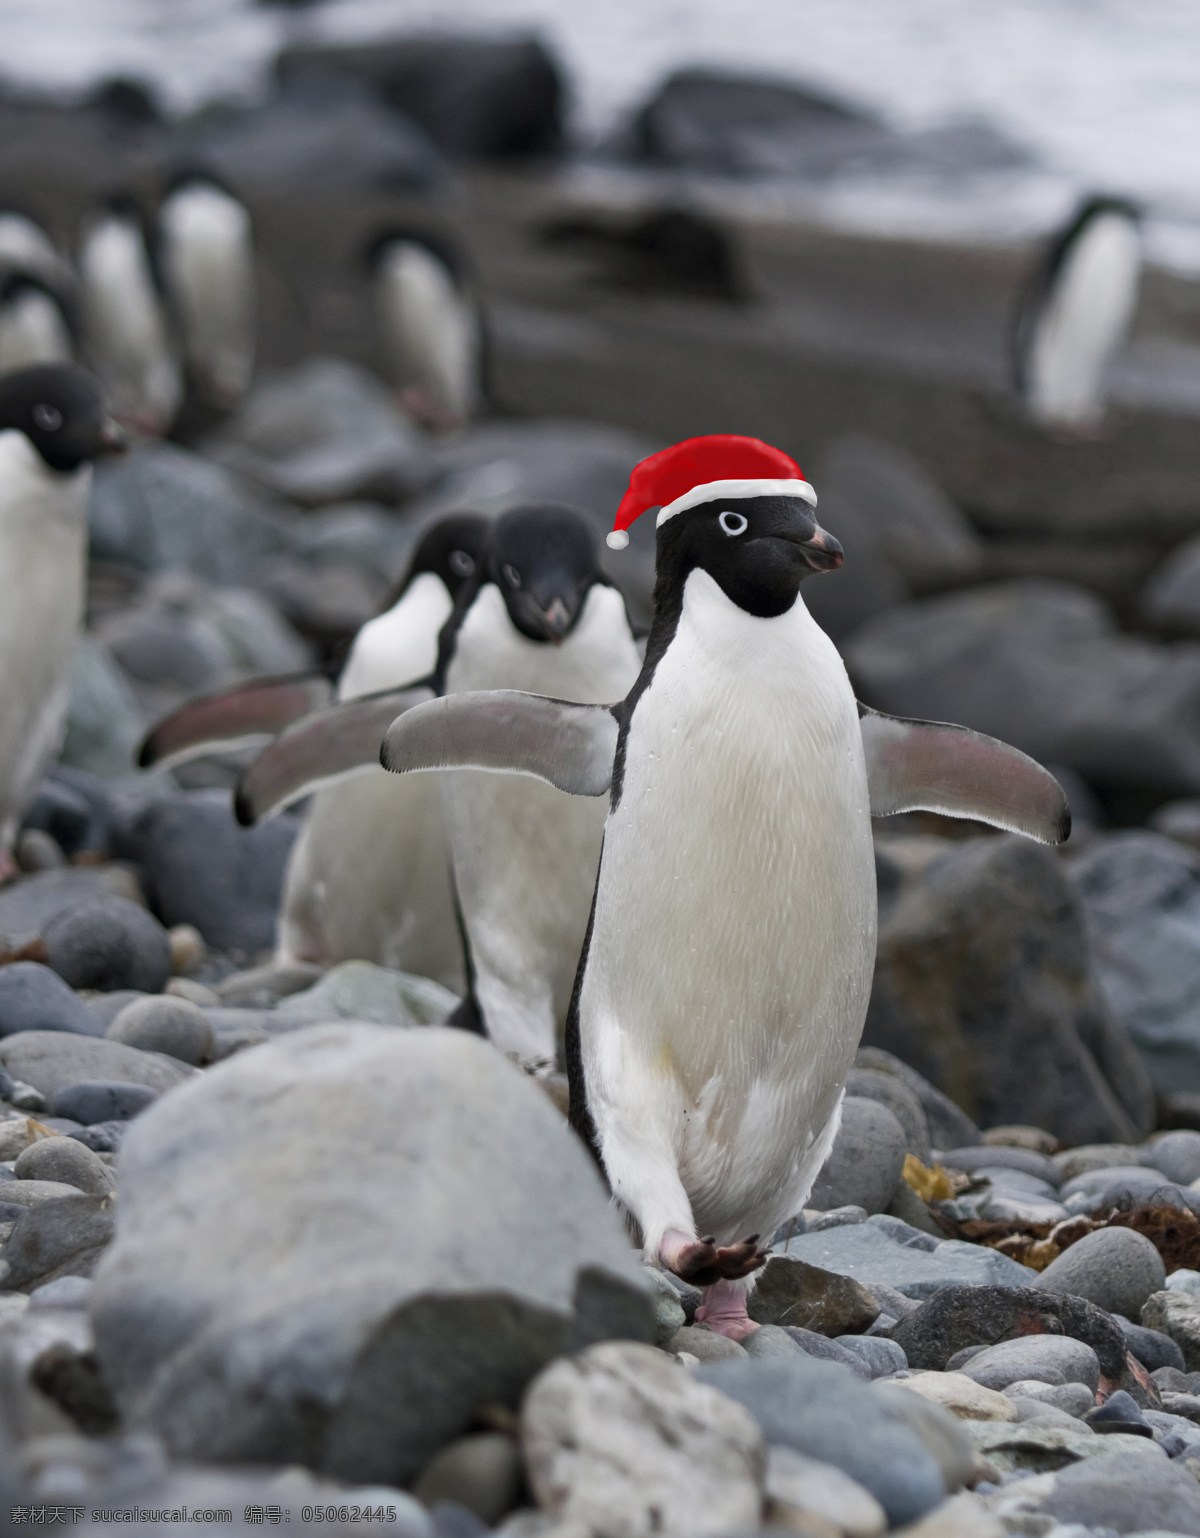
x=758, y=549
x=453, y=549
x=544, y=560
x=59, y=408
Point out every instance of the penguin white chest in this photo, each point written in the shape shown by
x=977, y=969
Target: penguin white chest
x=733, y=942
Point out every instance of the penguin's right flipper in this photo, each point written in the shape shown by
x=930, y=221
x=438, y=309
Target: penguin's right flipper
x=322, y=747
x=569, y=746
x=930, y=766
x=212, y=723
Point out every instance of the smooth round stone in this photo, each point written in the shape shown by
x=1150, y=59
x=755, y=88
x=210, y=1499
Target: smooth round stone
x=95, y=1100
x=481, y=1472
x=808, y=1489
x=1052, y=1358
x=704, y=1345
x=1041, y=1412
x=107, y=945
x=1103, y=1188
x=31, y=1193
x=102, y=1136
x=882, y=1357
x=107, y=1006
x=961, y=1395
x=865, y=1163
x=38, y=850
x=188, y=949
x=34, y=998
x=1152, y=1348
x=770, y=1340
x=1037, y=1139
x=165, y=1024
x=1115, y=1268
x=1072, y=1398
x=63, y=1292
x=1096, y=1156
x=64, y=1160
x=1177, y=1155
x=1013, y=1182
x=988, y=1156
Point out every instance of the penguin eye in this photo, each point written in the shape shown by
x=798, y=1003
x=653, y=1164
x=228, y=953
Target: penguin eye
x=461, y=563
x=511, y=575
x=734, y=523
x=48, y=418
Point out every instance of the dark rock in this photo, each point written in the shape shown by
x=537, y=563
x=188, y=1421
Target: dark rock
x=983, y=984
x=987, y=1156
x=1177, y=1155
x=33, y=998
x=1115, y=1268
x=949, y=1126
x=69, y=817
x=882, y=1356
x=791, y=1292
x=165, y=1024
x=1176, y=1314
x=503, y=1254
x=939, y=1430
x=1041, y=665
x=96, y=1100
x=1099, y=1190
x=1170, y=601
x=102, y=1136
x=886, y=1089
x=109, y=945
x=1153, y=1349
x=107, y=1006
x=1141, y=898
x=476, y=98
x=864, y=1164
x=55, y=1239
x=105, y=720
x=1126, y=1493
x=50, y=1060
x=27, y=906
x=67, y=1161
x=958, y=1317
x=202, y=869
x=821, y=1409
x=825, y=1350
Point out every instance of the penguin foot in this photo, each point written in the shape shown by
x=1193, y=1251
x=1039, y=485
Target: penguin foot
x=702, y=1263
x=724, y=1311
x=9, y=869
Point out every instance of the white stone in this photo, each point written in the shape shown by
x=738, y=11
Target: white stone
x=806, y=1487
x=962, y=1396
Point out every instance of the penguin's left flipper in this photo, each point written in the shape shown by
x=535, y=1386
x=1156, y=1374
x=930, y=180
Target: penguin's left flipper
x=928, y=766
x=322, y=747
x=569, y=746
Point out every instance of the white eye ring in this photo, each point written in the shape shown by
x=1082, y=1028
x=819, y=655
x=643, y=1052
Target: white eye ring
x=48, y=418
x=461, y=564
x=734, y=523
x=511, y=575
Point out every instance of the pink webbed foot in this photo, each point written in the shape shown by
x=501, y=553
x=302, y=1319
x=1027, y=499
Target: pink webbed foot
x=702, y=1263
x=724, y=1311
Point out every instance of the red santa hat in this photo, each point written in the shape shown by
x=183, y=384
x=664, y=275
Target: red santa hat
x=698, y=470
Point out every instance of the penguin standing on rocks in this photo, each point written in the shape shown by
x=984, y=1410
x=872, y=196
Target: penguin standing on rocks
x=206, y=253
x=52, y=426
x=1076, y=313
x=541, y=614
x=126, y=336
x=432, y=329
x=724, y=979
x=369, y=875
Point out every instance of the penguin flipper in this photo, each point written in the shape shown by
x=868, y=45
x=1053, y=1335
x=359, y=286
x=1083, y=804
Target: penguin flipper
x=212, y=723
x=569, y=746
x=929, y=766
x=322, y=747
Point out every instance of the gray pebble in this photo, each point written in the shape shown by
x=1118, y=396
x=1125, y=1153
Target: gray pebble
x=988, y=1155
x=826, y=1350
x=481, y=1473
x=883, y=1357
x=1101, y=1189
x=107, y=945
x=1152, y=1348
x=165, y=1024
x=770, y=1340
x=34, y=998
x=1074, y=1399
x=1177, y=1155
x=67, y=1161
x=704, y=1345
x=96, y=1100
x=1052, y=1358
x=1115, y=1268
x=837, y=1217
x=107, y=1006
x=102, y=1136
x=1047, y=1414
x=864, y=1165
x=65, y=1292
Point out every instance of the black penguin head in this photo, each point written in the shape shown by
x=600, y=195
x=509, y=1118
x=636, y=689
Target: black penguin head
x=757, y=549
x=545, y=560
x=452, y=549
x=59, y=408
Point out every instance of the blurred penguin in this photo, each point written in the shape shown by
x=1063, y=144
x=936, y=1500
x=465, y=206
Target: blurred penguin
x=25, y=247
x=126, y=336
x=34, y=327
x=432, y=328
x=206, y=254
x=1075, y=314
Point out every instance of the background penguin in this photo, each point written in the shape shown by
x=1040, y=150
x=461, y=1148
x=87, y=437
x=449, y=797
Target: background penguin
x=25, y=247
x=126, y=336
x=206, y=253
x=369, y=875
x=542, y=615
x=33, y=324
x=1075, y=315
x=52, y=425
x=432, y=328
x=724, y=981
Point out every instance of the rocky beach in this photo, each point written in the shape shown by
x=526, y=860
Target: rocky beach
x=281, y=1246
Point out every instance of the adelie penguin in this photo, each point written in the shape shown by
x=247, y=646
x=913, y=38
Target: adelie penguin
x=1075, y=314
x=369, y=875
x=724, y=981
x=542, y=615
x=52, y=426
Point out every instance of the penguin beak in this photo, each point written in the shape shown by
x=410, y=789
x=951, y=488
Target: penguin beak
x=557, y=617
x=113, y=439
x=822, y=551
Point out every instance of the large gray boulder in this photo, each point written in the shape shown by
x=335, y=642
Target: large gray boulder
x=983, y=983
x=1041, y=665
x=1141, y=898
x=338, y=1248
